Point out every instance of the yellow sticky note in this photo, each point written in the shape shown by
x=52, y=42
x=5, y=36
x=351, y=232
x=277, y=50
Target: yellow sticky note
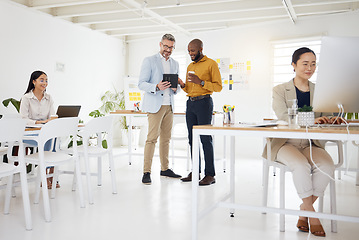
x=138, y=94
x=218, y=60
x=131, y=94
x=248, y=68
x=230, y=66
x=249, y=63
x=139, y=98
x=230, y=81
x=225, y=81
x=131, y=99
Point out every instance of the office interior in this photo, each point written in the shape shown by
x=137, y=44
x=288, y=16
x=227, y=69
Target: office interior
x=82, y=64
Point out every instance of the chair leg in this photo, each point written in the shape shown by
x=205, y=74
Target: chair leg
x=25, y=199
x=282, y=200
x=55, y=178
x=320, y=204
x=113, y=173
x=37, y=187
x=88, y=178
x=79, y=182
x=45, y=193
x=265, y=183
x=99, y=171
x=333, y=205
x=10, y=179
x=74, y=181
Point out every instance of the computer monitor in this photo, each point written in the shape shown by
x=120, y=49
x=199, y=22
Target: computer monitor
x=338, y=75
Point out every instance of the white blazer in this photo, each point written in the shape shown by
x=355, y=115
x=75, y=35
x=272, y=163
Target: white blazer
x=151, y=74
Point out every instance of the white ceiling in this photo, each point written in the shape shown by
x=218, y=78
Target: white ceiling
x=133, y=19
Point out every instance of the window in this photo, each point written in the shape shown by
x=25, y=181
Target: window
x=282, y=58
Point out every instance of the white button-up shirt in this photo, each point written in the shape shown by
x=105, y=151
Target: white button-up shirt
x=34, y=110
x=166, y=70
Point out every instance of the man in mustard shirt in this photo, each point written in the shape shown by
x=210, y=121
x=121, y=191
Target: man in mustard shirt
x=202, y=80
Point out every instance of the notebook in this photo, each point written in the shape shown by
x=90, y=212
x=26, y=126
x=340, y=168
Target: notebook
x=68, y=111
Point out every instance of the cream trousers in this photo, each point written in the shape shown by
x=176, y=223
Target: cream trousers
x=159, y=125
x=308, y=180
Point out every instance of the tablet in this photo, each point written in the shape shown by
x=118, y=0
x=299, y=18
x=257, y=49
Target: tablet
x=172, y=78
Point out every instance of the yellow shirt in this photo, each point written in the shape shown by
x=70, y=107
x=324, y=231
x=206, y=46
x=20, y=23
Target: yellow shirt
x=207, y=70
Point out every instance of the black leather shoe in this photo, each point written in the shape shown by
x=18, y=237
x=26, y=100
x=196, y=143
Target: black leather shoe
x=189, y=178
x=170, y=173
x=207, y=180
x=146, y=179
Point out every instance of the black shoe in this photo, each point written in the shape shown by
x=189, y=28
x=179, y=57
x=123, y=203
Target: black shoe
x=146, y=179
x=170, y=173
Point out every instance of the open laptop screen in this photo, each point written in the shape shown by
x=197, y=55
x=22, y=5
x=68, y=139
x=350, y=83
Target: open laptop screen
x=68, y=111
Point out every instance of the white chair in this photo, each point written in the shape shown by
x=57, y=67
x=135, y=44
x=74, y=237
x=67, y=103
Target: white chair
x=12, y=131
x=98, y=127
x=59, y=129
x=179, y=133
x=283, y=169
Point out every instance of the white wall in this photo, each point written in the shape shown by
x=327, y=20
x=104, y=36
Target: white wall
x=253, y=43
x=30, y=41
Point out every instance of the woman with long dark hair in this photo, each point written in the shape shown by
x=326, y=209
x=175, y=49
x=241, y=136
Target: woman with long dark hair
x=310, y=182
x=36, y=107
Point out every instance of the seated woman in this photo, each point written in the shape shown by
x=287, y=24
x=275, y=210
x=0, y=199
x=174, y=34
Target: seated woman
x=37, y=106
x=309, y=182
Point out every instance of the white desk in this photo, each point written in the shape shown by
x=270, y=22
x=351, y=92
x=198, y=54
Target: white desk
x=232, y=131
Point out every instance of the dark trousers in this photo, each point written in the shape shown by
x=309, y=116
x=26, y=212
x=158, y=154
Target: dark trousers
x=200, y=113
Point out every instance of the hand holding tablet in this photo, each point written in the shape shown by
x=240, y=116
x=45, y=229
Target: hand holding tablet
x=171, y=78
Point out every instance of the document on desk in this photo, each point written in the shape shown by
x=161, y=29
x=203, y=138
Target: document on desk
x=34, y=125
x=257, y=124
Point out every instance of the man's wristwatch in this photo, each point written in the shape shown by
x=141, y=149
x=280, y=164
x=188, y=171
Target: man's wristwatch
x=202, y=83
x=157, y=89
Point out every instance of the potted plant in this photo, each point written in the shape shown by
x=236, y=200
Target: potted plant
x=112, y=101
x=305, y=116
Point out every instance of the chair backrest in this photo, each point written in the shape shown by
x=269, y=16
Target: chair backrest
x=61, y=127
x=99, y=125
x=11, y=115
x=12, y=129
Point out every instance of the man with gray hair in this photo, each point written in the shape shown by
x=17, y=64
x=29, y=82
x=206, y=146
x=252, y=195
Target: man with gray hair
x=158, y=103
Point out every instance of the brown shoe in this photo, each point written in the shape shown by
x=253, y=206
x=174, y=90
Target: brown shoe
x=207, y=180
x=189, y=178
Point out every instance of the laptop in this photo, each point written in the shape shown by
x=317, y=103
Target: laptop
x=68, y=111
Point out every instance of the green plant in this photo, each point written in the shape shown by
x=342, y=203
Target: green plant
x=350, y=116
x=305, y=108
x=13, y=101
x=111, y=101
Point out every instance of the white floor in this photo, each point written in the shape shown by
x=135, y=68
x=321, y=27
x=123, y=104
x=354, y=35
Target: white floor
x=163, y=210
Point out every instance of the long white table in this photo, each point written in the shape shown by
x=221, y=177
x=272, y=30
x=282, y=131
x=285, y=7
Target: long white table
x=228, y=200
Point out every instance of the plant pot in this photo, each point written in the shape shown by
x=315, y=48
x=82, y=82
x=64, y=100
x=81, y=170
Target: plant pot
x=305, y=119
x=135, y=137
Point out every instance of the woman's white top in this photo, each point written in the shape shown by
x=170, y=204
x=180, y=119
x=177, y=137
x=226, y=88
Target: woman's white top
x=34, y=110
